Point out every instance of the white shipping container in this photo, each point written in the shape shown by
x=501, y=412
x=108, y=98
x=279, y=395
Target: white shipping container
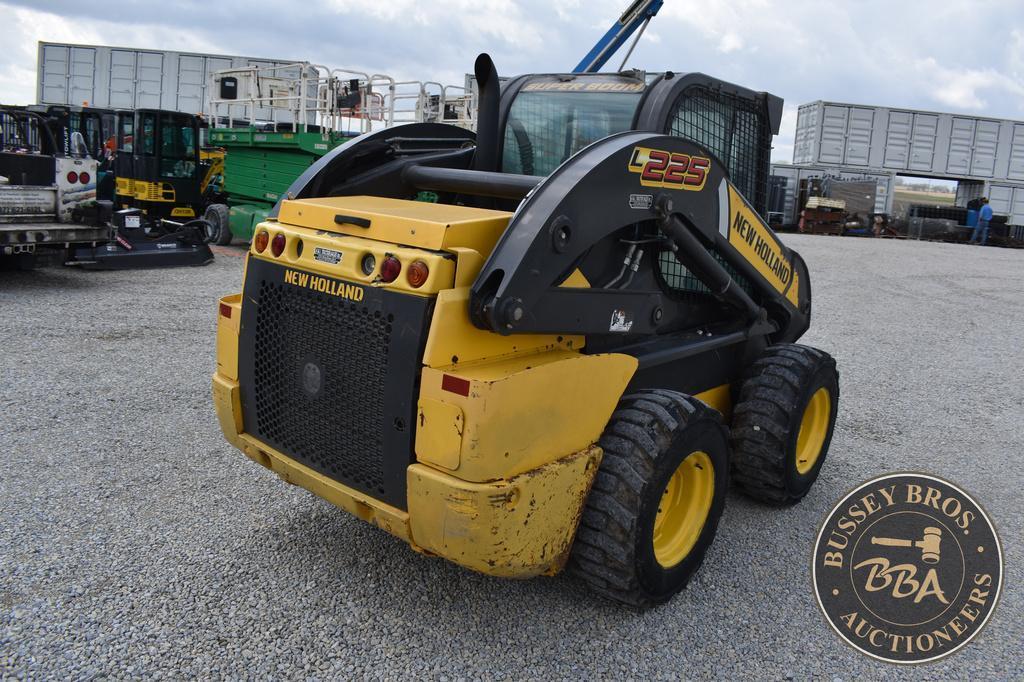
x=913, y=142
x=128, y=78
x=1007, y=200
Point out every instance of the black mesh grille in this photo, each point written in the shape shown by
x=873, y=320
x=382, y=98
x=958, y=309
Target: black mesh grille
x=329, y=381
x=734, y=129
x=678, y=278
x=296, y=328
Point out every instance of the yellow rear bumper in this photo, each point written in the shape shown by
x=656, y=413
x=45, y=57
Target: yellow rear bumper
x=517, y=527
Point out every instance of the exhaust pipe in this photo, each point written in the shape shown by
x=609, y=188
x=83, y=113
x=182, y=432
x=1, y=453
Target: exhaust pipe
x=486, y=156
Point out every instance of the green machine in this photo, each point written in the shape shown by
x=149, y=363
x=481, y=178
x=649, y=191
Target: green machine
x=259, y=166
x=274, y=122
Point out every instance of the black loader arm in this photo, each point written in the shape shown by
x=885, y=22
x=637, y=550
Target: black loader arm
x=627, y=179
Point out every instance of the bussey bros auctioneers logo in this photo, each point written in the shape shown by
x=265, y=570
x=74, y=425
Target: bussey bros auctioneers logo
x=907, y=568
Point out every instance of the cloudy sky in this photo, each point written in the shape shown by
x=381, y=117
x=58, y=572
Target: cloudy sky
x=946, y=55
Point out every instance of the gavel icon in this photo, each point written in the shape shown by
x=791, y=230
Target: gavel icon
x=929, y=544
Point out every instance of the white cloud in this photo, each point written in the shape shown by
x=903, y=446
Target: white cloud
x=964, y=88
x=730, y=42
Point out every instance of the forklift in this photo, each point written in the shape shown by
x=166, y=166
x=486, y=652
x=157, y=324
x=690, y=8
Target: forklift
x=566, y=360
x=158, y=195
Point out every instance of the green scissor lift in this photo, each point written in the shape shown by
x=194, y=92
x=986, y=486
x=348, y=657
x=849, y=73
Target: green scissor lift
x=274, y=122
x=259, y=167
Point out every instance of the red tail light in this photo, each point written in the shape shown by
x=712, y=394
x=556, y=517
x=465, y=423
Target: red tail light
x=389, y=269
x=261, y=241
x=225, y=310
x=417, y=274
x=72, y=177
x=277, y=244
x=83, y=178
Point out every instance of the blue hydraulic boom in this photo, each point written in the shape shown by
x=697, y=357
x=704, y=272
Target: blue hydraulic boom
x=637, y=15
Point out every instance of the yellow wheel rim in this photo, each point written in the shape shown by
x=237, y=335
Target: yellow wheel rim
x=813, y=429
x=683, y=509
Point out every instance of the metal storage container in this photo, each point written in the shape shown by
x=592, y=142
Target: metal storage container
x=913, y=142
x=794, y=174
x=126, y=78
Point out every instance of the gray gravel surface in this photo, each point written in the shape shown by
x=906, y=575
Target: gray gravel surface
x=135, y=542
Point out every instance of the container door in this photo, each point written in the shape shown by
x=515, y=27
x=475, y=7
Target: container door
x=1016, y=169
x=922, y=143
x=961, y=139
x=833, y=134
x=190, y=84
x=1001, y=199
x=1016, y=214
x=81, y=75
x=121, y=93
x=986, y=140
x=858, y=136
x=54, y=77
x=149, y=78
x=806, y=133
x=897, y=140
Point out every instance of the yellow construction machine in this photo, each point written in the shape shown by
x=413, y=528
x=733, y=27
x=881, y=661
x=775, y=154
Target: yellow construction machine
x=563, y=360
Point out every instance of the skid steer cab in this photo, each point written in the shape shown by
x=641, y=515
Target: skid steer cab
x=560, y=362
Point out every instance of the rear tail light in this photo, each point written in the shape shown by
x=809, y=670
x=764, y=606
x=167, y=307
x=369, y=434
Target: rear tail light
x=72, y=177
x=277, y=244
x=417, y=274
x=83, y=178
x=390, y=267
x=261, y=241
x=225, y=310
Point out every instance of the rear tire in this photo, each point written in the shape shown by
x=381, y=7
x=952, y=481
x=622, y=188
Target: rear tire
x=783, y=422
x=657, y=498
x=220, y=229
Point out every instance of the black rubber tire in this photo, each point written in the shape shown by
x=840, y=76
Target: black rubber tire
x=648, y=436
x=217, y=216
x=766, y=421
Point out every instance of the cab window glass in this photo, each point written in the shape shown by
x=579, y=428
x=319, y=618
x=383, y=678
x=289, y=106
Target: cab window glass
x=546, y=127
x=147, y=145
x=177, y=146
x=126, y=137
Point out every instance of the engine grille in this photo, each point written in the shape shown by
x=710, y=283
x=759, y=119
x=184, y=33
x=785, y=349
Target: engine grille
x=332, y=382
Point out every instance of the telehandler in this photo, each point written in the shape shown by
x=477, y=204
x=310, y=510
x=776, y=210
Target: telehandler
x=561, y=361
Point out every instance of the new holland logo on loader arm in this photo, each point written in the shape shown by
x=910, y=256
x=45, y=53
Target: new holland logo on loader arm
x=563, y=361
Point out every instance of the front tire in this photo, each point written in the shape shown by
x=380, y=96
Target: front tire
x=218, y=217
x=657, y=498
x=783, y=421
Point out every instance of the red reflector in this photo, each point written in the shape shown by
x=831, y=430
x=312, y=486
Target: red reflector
x=225, y=310
x=390, y=268
x=72, y=177
x=455, y=384
x=277, y=244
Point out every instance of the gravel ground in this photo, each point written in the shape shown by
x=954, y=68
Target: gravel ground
x=136, y=542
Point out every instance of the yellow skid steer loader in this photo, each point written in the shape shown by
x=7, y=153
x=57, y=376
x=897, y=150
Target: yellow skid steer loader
x=560, y=362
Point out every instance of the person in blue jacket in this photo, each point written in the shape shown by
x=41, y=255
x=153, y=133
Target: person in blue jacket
x=984, y=217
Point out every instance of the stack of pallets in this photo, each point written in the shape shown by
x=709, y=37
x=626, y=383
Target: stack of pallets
x=823, y=216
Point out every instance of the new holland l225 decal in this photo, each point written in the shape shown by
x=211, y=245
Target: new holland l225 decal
x=674, y=170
